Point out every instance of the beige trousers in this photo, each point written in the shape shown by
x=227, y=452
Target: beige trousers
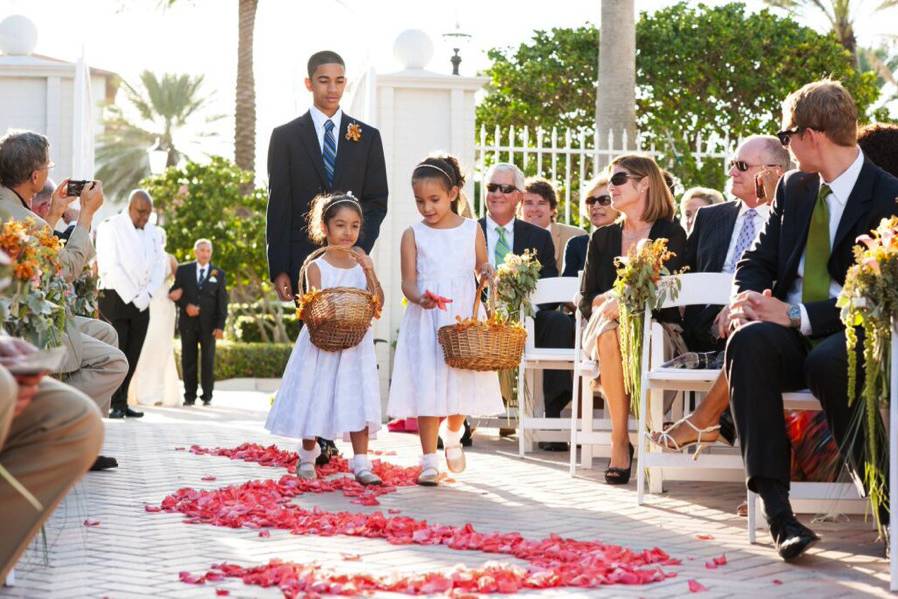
x=47, y=448
x=103, y=365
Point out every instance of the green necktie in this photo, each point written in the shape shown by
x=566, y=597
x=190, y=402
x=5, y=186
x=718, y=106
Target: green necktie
x=815, y=286
x=502, y=247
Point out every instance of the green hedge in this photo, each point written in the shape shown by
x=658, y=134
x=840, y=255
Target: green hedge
x=247, y=330
x=246, y=360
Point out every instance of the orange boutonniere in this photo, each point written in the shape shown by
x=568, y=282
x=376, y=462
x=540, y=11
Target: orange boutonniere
x=353, y=132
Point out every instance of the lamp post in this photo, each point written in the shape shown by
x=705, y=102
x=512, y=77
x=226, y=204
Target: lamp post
x=158, y=156
x=457, y=40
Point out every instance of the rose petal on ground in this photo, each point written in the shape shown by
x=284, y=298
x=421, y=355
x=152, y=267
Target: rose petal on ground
x=222, y=592
x=696, y=587
x=208, y=477
x=152, y=508
x=393, y=510
x=350, y=557
x=777, y=581
x=721, y=560
x=704, y=537
x=192, y=578
x=91, y=523
x=264, y=533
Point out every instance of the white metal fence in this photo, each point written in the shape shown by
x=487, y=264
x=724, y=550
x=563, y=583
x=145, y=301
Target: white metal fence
x=570, y=159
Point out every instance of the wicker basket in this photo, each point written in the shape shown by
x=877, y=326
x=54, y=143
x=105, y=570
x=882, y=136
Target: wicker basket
x=482, y=348
x=338, y=317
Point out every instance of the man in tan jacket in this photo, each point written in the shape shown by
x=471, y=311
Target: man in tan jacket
x=540, y=207
x=49, y=434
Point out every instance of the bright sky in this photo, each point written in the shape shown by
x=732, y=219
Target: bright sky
x=200, y=36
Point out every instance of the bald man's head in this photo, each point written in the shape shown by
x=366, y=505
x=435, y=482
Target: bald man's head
x=140, y=205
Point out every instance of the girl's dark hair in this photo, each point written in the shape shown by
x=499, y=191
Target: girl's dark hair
x=324, y=208
x=444, y=167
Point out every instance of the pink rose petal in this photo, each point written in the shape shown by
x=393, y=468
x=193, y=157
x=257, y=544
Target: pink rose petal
x=91, y=523
x=696, y=587
x=208, y=477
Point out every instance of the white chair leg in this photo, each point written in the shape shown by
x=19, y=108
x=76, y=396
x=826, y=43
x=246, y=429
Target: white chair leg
x=640, y=447
x=586, y=453
x=521, y=411
x=574, y=424
x=10, y=578
x=752, y=500
x=655, y=399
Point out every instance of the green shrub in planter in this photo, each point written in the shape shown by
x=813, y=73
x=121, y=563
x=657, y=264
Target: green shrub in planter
x=246, y=360
x=247, y=329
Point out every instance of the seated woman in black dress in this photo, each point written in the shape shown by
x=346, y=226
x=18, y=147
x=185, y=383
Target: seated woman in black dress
x=601, y=213
x=638, y=190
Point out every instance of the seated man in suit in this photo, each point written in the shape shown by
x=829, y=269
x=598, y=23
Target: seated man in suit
x=200, y=292
x=788, y=334
x=540, y=207
x=721, y=233
x=506, y=234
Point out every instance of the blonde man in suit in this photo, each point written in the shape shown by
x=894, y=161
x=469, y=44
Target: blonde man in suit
x=540, y=207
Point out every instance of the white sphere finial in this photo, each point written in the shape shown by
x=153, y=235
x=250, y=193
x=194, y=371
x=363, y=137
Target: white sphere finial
x=18, y=35
x=413, y=49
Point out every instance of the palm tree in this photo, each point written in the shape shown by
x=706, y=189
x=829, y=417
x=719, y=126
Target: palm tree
x=164, y=106
x=839, y=13
x=245, y=105
x=616, y=94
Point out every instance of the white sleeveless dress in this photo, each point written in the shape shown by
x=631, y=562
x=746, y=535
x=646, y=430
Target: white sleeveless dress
x=328, y=394
x=422, y=383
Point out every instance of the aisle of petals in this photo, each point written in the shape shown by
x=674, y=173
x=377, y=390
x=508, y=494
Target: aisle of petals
x=263, y=504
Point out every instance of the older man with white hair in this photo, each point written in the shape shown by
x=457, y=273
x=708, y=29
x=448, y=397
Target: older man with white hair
x=131, y=263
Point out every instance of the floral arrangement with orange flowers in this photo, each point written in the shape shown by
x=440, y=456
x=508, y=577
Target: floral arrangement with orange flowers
x=869, y=301
x=33, y=305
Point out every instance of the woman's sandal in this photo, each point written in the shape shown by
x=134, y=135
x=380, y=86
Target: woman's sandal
x=620, y=476
x=455, y=458
x=367, y=477
x=429, y=477
x=666, y=441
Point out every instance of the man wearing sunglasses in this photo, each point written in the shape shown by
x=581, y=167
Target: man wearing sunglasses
x=787, y=331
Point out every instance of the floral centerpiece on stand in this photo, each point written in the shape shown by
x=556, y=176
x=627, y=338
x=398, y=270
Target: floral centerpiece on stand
x=638, y=285
x=33, y=305
x=869, y=303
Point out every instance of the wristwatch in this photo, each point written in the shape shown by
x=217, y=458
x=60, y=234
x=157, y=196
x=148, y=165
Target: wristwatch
x=794, y=314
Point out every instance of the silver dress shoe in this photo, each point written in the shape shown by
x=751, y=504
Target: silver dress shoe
x=455, y=458
x=307, y=471
x=366, y=477
x=429, y=477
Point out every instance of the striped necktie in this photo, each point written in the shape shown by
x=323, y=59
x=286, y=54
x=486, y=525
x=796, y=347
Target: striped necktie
x=815, y=283
x=330, y=151
x=746, y=237
x=502, y=247
x=202, y=277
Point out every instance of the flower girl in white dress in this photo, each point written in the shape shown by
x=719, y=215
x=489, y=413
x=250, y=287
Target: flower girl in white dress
x=440, y=256
x=327, y=394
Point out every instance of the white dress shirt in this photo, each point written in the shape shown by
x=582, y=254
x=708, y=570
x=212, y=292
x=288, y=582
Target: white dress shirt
x=762, y=212
x=492, y=237
x=319, y=119
x=130, y=261
x=840, y=188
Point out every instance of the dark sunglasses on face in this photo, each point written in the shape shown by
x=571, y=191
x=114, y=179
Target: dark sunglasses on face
x=494, y=187
x=602, y=200
x=786, y=134
x=618, y=179
x=744, y=166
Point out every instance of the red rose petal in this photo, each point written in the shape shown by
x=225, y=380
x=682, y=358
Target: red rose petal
x=393, y=510
x=208, y=477
x=704, y=537
x=91, y=523
x=777, y=581
x=222, y=592
x=265, y=533
x=696, y=587
x=350, y=557
x=152, y=508
x=721, y=560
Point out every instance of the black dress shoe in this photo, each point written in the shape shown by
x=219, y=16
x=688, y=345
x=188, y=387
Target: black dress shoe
x=554, y=445
x=103, y=463
x=189, y=402
x=791, y=537
x=328, y=450
x=206, y=402
x=615, y=475
x=116, y=413
x=133, y=413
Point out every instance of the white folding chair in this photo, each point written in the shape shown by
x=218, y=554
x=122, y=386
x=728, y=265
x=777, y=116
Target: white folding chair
x=531, y=427
x=695, y=289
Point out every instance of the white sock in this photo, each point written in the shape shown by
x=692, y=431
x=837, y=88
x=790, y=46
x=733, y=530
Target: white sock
x=430, y=460
x=360, y=463
x=308, y=456
x=451, y=438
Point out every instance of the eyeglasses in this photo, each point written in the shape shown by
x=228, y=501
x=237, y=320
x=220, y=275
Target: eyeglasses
x=620, y=178
x=602, y=200
x=743, y=166
x=786, y=134
x=494, y=187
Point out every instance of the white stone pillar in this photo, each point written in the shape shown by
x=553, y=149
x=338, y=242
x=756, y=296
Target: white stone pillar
x=418, y=112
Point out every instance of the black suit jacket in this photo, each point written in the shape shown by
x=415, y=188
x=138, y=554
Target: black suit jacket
x=599, y=272
x=296, y=175
x=575, y=255
x=531, y=237
x=212, y=298
x=773, y=261
x=706, y=251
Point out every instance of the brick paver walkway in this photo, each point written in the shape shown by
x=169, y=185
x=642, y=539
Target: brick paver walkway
x=132, y=553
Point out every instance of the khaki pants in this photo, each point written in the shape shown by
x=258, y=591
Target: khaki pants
x=103, y=365
x=47, y=448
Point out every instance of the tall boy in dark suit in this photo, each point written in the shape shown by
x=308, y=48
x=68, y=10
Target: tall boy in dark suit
x=201, y=294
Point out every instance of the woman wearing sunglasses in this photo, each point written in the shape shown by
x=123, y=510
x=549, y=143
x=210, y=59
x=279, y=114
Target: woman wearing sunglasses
x=601, y=213
x=638, y=191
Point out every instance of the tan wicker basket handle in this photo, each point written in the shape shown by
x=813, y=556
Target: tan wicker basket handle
x=491, y=308
x=304, y=270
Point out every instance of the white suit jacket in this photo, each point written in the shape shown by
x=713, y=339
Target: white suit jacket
x=130, y=264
